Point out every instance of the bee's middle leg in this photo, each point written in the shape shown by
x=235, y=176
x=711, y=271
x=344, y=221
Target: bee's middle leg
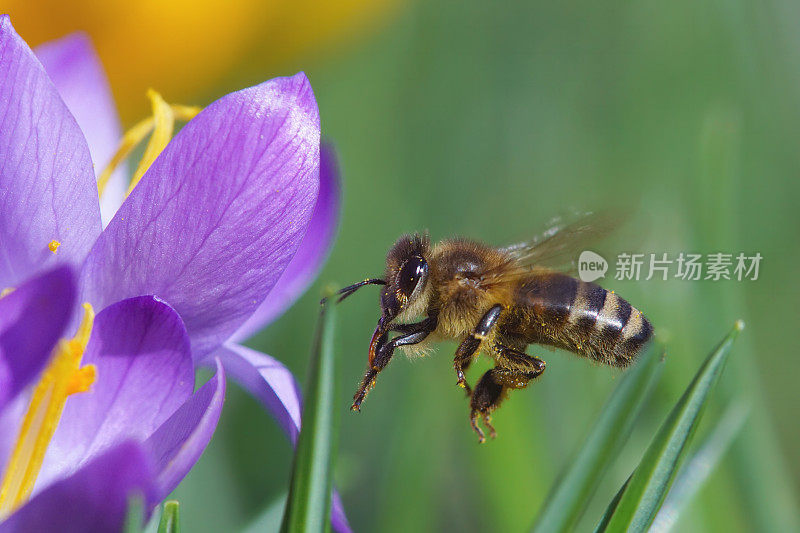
x=464, y=357
x=469, y=347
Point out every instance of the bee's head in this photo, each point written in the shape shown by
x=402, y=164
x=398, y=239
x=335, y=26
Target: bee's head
x=406, y=276
x=406, y=288
x=406, y=279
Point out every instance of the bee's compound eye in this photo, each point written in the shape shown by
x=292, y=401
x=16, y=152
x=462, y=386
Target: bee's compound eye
x=410, y=273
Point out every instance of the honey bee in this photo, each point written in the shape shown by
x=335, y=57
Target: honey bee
x=497, y=301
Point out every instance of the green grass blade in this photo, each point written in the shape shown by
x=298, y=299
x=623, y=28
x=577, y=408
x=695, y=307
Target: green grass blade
x=570, y=495
x=650, y=481
x=699, y=467
x=170, y=518
x=308, y=505
x=612, y=507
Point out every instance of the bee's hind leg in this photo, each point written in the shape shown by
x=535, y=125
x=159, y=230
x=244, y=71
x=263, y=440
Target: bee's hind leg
x=518, y=362
x=486, y=398
x=514, y=371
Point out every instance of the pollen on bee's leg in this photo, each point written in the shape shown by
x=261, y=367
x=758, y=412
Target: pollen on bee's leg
x=53, y=245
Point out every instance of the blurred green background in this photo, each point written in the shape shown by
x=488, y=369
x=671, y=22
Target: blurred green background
x=486, y=120
x=475, y=119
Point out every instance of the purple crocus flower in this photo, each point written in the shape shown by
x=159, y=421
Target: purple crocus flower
x=225, y=229
x=138, y=432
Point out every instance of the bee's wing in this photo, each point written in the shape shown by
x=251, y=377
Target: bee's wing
x=559, y=246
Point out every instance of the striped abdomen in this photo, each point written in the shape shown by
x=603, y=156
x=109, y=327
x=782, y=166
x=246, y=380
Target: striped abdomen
x=581, y=317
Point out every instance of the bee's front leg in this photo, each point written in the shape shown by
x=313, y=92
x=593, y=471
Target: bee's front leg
x=468, y=348
x=384, y=352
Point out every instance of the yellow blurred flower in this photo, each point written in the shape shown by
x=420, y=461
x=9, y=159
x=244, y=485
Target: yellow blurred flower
x=181, y=46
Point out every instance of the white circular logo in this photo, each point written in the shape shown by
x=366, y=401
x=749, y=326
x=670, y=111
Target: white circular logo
x=591, y=266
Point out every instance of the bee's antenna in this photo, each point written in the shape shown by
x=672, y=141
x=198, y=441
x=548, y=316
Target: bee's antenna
x=347, y=291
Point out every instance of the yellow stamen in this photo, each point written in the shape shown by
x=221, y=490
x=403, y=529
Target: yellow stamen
x=185, y=112
x=6, y=291
x=130, y=140
x=162, y=133
x=53, y=246
x=134, y=136
x=63, y=377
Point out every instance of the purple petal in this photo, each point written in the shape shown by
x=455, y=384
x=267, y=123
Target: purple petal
x=268, y=381
x=144, y=374
x=47, y=185
x=93, y=499
x=77, y=73
x=338, y=518
x=178, y=443
x=32, y=318
x=313, y=251
x=219, y=215
x=274, y=386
